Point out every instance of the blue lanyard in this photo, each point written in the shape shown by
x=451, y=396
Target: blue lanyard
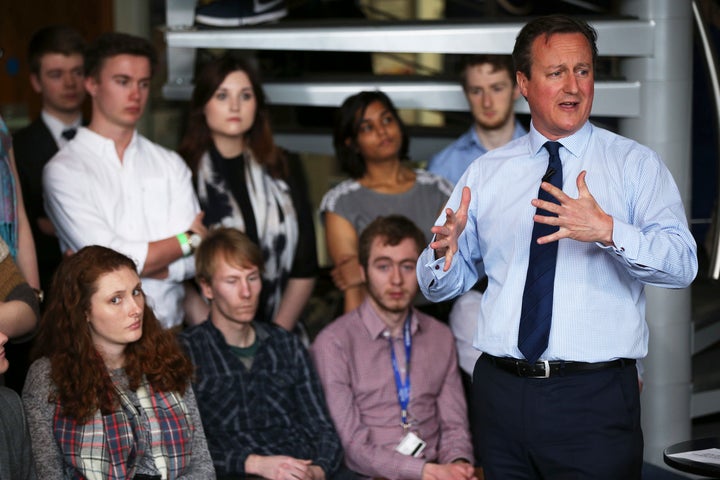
x=403, y=389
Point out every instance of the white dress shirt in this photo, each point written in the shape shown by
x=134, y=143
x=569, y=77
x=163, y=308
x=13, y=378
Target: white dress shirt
x=93, y=198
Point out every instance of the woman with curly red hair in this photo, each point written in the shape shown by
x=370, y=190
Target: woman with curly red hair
x=110, y=397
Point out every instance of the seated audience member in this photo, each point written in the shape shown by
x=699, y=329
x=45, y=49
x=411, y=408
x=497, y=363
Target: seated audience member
x=260, y=399
x=367, y=358
x=111, y=396
x=15, y=454
x=489, y=85
x=55, y=59
x=371, y=144
x=245, y=181
x=111, y=186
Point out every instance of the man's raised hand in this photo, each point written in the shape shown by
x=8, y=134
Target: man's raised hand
x=446, y=236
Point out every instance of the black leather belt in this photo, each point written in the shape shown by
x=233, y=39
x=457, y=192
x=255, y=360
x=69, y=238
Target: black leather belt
x=546, y=369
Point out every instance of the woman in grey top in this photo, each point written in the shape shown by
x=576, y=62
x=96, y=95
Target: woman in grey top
x=371, y=144
x=111, y=397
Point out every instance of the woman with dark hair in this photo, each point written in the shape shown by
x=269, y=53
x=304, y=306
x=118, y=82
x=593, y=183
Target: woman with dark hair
x=245, y=181
x=111, y=397
x=371, y=144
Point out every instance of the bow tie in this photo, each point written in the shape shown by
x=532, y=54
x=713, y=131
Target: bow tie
x=69, y=133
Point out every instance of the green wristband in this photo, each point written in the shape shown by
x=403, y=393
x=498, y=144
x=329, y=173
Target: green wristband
x=182, y=239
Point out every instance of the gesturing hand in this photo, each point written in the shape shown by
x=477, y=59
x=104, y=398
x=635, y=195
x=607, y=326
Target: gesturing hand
x=580, y=218
x=446, y=236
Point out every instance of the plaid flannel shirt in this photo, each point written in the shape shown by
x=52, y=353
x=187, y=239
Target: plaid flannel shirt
x=275, y=408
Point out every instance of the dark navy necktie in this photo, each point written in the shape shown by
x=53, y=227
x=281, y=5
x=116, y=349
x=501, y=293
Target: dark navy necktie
x=537, y=301
x=69, y=134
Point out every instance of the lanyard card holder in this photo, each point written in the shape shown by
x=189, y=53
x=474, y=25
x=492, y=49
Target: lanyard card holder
x=411, y=445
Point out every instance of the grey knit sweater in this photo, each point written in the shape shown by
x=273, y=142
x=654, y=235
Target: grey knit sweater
x=49, y=457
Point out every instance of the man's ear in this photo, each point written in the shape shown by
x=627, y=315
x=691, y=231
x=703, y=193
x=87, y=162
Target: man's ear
x=362, y=274
x=91, y=85
x=35, y=82
x=205, y=289
x=522, y=83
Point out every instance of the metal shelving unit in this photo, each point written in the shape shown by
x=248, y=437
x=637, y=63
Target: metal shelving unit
x=619, y=98
x=622, y=38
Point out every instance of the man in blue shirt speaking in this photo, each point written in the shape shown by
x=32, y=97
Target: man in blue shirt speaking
x=571, y=221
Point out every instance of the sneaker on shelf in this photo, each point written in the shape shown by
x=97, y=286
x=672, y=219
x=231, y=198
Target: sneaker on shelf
x=236, y=13
x=516, y=7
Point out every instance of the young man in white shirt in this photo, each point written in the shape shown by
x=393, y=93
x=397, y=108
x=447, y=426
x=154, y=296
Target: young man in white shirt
x=111, y=186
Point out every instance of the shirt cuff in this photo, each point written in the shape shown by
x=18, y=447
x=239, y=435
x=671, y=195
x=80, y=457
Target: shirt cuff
x=436, y=267
x=626, y=240
x=412, y=468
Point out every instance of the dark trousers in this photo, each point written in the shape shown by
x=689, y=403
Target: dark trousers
x=584, y=425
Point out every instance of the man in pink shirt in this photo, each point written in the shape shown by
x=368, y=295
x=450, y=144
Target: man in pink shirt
x=390, y=372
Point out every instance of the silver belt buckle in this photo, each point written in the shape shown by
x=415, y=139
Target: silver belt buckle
x=546, y=364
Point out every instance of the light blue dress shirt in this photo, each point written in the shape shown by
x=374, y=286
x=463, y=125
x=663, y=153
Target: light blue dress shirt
x=599, y=300
x=453, y=160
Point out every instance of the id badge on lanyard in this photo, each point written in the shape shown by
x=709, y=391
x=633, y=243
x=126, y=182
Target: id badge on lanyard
x=410, y=444
x=403, y=388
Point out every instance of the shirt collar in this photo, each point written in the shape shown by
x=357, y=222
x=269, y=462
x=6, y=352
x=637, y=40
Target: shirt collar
x=56, y=127
x=471, y=137
x=98, y=142
x=262, y=331
x=374, y=325
x=576, y=143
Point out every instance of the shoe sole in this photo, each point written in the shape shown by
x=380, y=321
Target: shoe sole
x=239, y=22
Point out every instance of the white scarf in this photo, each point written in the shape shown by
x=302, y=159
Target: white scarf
x=275, y=218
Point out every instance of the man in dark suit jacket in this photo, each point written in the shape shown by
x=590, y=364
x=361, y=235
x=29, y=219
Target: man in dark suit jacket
x=55, y=57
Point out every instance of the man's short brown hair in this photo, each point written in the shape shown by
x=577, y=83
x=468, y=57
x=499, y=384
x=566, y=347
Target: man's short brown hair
x=230, y=245
x=498, y=62
x=546, y=27
x=393, y=229
x=54, y=39
x=112, y=44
